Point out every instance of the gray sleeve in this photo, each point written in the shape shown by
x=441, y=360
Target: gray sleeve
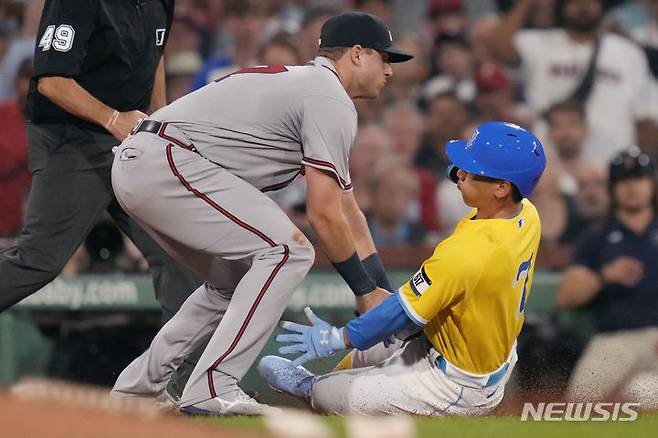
x=327, y=131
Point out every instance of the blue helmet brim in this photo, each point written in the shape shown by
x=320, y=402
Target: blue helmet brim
x=460, y=156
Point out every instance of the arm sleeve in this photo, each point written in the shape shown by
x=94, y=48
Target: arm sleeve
x=440, y=282
x=371, y=328
x=328, y=130
x=63, y=37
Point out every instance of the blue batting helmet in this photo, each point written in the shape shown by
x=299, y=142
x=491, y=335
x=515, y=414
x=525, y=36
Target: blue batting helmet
x=500, y=150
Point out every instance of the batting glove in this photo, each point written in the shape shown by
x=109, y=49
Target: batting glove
x=320, y=339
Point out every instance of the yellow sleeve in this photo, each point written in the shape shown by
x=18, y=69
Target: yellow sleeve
x=440, y=282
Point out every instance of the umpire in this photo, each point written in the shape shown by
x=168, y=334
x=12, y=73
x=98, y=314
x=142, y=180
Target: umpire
x=98, y=68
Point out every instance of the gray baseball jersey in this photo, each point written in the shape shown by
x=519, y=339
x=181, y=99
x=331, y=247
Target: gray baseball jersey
x=196, y=185
x=263, y=123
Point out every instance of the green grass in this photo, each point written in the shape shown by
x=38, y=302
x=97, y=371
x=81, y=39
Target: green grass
x=489, y=427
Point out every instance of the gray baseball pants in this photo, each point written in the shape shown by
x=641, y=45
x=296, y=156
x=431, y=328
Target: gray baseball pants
x=251, y=256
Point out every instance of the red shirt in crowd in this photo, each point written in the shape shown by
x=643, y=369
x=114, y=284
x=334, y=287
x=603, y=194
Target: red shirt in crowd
x=14, y=174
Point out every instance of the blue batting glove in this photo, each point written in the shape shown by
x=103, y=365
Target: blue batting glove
x=320, y=339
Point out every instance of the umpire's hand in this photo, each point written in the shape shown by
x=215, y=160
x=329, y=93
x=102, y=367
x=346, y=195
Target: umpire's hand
x=124, y=123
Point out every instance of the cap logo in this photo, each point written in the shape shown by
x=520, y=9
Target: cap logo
x=473, y=137
x=390, y=35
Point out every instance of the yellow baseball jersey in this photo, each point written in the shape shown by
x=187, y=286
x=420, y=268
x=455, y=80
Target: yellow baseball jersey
x=470, y=295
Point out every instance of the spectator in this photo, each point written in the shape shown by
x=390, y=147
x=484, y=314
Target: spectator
x=567, y=132
x=20, y=46
x=281, y=49
x=381, y=8
x=14, y=174
x=647, y=33
x=554, y=63
x=371, y=145
x=494, y=97
x=185, y=37
x=404, y=125
x=180, y=69
x=407, y=77
x=445, y=120
x=613, y=273
x=478, y=35
x=552, y=206
x=453, y=67
x=393, y=189
x=592, y=198
x=446, y=16
x=451, y=207
x=245, y=22
x=309, y=32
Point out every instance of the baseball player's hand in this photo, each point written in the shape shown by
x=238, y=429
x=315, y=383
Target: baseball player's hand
x=320, y=339
x=124, y=123
x=370, y=300
x=624, y=270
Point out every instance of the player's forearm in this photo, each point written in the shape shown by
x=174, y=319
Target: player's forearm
x=501, y=39
x=67, y=94
x=334, y=234
x=365, y=246
x=159, y=95
x=579, y=286
x=358, y=224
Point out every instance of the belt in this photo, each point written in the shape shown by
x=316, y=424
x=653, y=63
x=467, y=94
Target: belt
x=480, y=381
x=152, y=126
x=160, y=128
x=469, y=379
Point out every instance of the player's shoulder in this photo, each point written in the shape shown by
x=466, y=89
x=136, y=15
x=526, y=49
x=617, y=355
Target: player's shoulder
x=319, y=81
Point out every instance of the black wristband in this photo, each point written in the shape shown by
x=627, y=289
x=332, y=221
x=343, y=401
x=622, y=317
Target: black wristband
x=355, y=275
x=374, y=267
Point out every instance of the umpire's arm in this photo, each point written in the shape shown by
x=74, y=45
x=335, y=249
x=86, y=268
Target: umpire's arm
x=67, y=94
x=159, y=94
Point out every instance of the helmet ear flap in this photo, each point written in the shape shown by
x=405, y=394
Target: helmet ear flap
x=451, y=173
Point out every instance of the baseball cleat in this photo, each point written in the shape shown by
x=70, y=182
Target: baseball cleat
x=163, y=401
x=282, y=376
x=241, y=404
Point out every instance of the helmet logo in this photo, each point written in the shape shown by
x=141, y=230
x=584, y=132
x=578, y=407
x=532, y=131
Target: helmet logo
x=473, y=137
x=534, y=149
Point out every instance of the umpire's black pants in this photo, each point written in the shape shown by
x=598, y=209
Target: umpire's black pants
x=71, y=189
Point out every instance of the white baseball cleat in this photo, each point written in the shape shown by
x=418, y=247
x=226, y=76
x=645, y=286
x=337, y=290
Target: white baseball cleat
x=241, y=404
x=282, y=376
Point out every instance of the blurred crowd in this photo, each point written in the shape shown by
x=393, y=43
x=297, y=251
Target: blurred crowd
x=475, y=60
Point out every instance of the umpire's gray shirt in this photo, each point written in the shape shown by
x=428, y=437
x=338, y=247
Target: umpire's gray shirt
x=264, y=124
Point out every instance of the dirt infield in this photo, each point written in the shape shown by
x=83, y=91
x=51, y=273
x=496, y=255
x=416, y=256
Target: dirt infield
x=84, y=416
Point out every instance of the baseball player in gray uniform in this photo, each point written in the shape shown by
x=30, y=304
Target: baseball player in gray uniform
x=194, y=176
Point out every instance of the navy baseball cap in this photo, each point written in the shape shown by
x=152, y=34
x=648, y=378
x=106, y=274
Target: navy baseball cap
x=630, y=163
x=351, y=28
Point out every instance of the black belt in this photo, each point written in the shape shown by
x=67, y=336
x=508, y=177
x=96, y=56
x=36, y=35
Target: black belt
x=152, y=126
x=159, y=128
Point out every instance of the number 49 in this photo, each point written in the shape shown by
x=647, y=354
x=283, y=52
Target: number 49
x=60, y=38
